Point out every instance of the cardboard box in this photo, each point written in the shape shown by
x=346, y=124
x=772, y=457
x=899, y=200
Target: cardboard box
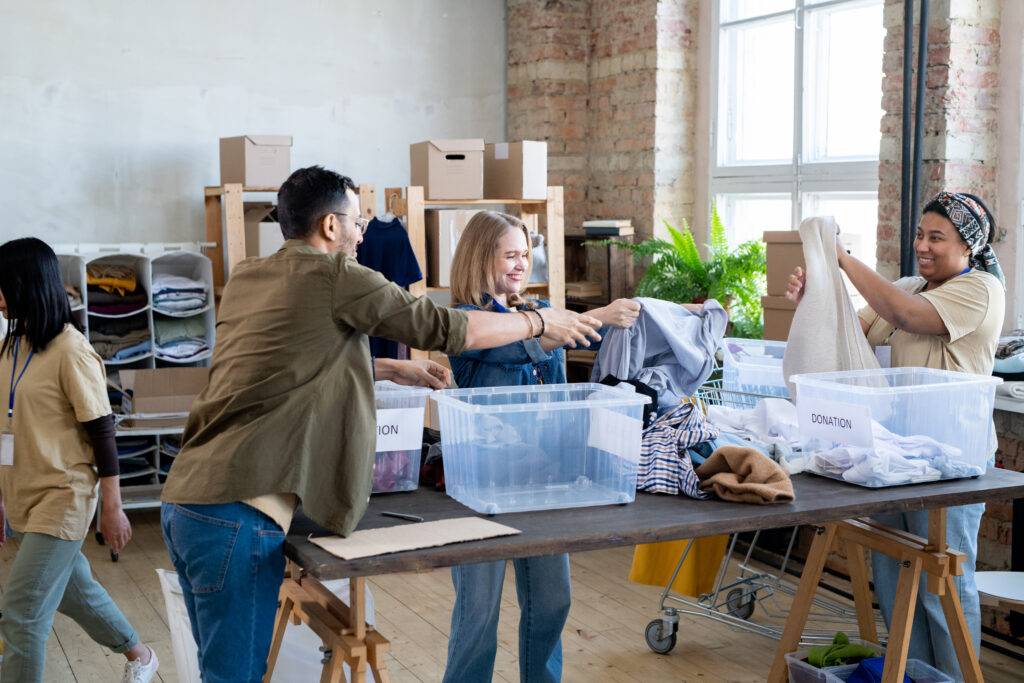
x=448, y=169
x=256, y=160
x=516, y=170
x=432, y=421
x=444, y=227
x=778, y=317
x=262, y=231
x=784, y=252
x=163, y=397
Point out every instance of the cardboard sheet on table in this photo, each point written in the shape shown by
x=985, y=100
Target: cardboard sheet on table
x=394, y=539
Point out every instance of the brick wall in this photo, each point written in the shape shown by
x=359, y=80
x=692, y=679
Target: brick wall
x=548, y=45
x=611, y=86
x=961, y=85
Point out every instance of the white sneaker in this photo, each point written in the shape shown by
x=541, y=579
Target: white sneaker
x=137, y=672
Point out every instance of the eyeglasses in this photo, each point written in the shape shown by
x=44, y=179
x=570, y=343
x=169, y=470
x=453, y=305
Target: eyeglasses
x=361, y=223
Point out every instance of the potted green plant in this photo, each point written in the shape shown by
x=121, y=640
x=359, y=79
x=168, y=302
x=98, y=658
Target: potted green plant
x=677, y=272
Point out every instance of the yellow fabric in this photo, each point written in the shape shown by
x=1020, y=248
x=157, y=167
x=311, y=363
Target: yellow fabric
x=971, y=306
x=51, y=488
x=280, y=507
x=653, y=564
x=112, y=278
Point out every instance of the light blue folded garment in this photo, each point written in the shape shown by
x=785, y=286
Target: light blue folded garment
x=132, y=351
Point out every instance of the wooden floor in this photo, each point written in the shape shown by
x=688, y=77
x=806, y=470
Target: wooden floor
x=603, y=640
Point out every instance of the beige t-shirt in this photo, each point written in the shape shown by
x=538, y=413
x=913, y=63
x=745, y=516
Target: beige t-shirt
x=971, y=306
x=280, y=507
x=51, y=488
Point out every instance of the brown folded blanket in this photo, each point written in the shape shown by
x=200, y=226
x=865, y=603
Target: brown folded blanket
x=744, y=475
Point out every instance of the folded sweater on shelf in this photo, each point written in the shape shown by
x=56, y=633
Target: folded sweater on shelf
x=111, y=277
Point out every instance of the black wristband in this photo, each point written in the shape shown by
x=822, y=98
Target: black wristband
x=542, y=326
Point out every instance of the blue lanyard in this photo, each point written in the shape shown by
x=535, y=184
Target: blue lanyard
x=965, y=271
x=16, y=382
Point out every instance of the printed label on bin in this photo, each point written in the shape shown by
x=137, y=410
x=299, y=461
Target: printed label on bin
x=399, y=429
x=615, y=433
x=836, y=422
x=501, y=150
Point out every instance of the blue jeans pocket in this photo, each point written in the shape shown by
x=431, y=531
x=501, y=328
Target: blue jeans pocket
x=205, y=545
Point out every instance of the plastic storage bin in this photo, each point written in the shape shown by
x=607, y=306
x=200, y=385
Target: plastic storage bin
x=513, y=449
x=896, y=425
x=400, y=414
x=802, y=672
x=754, y=366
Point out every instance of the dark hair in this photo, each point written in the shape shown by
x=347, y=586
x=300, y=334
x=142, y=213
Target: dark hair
x=37, y=305
x=935, y=206
x=306, y=196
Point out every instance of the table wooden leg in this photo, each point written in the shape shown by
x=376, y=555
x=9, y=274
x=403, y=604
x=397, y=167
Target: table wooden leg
x=280, y=624
x=902, y=621
x=377, y=647
x=801, y=607
x=970, y=668
x=862, y=598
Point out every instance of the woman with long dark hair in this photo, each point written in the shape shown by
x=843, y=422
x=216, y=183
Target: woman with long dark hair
x=56, y=443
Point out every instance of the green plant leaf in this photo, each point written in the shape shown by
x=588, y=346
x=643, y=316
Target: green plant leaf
x=719, y=243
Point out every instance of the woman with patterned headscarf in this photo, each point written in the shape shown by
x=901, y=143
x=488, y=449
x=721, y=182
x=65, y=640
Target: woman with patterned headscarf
x=949, y=317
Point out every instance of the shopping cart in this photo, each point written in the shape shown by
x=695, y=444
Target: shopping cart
x=733, y=602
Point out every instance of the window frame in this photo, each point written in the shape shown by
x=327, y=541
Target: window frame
x=796, y=177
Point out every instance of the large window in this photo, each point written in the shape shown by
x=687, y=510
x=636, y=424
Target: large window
x=796, y=127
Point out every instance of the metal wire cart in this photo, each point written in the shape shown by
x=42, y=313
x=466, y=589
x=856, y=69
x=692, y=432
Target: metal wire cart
x=733, y=602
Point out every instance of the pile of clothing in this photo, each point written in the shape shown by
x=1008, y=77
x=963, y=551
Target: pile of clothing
x=178, y=295
x=120, y=339
x=114, y=289
x=180, y=339
x=682, y=453
x=1010, y=365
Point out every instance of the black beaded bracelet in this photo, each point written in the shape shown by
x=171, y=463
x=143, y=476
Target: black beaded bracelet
x=542, y=326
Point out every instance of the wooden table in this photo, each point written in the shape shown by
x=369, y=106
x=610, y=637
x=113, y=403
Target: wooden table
x=833, y=508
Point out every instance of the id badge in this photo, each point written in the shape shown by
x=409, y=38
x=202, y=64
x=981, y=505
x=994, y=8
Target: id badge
x=6, y=449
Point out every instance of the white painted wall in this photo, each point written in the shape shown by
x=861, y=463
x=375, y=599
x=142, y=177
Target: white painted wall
x=110, y=110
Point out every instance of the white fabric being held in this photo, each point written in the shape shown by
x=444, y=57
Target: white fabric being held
x=825, y=310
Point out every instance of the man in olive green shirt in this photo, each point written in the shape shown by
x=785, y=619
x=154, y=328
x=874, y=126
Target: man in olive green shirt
x=288, y=416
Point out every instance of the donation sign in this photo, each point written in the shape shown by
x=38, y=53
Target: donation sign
x=835, y=422
x=399, y=429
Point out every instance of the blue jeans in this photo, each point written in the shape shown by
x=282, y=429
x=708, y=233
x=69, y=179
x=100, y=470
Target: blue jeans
x=544, y=590
x=51, y=575
x=230, y=563
x=929, y=639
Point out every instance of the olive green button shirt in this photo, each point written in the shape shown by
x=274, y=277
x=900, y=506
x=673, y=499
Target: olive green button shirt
x=289, y=407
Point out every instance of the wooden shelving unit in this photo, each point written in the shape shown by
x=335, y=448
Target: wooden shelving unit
x=409, y=203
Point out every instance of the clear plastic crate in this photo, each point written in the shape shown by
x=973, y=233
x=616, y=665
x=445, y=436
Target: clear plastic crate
x=514, y=449
x=754, y=366
x=802, y=672
x=400, y=414
x=925, y=424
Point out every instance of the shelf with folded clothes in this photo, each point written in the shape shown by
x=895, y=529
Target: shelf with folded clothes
x=116, y=285
x=133, y=447
x=183, y=340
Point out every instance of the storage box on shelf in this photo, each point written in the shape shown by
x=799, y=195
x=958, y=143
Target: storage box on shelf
x=753, y=366
x=900, y=425
x=514, y=449
x=400, y=416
